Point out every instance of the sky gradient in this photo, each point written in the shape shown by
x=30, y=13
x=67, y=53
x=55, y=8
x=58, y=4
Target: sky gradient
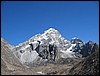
x=21, y=20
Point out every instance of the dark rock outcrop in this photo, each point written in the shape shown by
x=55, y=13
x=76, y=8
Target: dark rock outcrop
x=88, y=66
x=89, y=48
x=84, y=49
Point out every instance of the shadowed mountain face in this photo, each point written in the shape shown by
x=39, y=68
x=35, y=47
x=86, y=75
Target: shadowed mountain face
x=88, y=66
x=84, y=49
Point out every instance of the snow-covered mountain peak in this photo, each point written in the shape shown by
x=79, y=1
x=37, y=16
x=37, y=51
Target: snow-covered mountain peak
x=51, y=31
x=90, y=42
x=46, y=46
x=75, y=38
x=47, y=34
x=76, y=41
x=50, y=36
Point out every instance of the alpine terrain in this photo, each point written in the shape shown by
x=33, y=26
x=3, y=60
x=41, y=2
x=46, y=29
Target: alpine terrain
x=50, y=54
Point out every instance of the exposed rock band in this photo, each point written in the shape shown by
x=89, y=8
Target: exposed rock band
x=47, y=52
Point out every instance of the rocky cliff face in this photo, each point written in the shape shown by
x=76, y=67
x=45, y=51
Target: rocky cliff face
x=50, y=47
x=84, y=49
x=41, y=48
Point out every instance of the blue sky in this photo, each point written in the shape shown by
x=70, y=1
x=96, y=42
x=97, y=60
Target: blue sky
x=21, y=20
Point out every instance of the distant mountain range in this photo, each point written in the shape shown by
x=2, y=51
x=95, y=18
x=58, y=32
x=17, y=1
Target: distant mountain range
x=49, y=47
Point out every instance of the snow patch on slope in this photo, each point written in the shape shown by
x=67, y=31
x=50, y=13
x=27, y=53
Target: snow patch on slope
x=41, y=73
x=68, y=53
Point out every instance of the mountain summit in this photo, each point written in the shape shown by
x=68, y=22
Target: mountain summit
x=49, y=46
